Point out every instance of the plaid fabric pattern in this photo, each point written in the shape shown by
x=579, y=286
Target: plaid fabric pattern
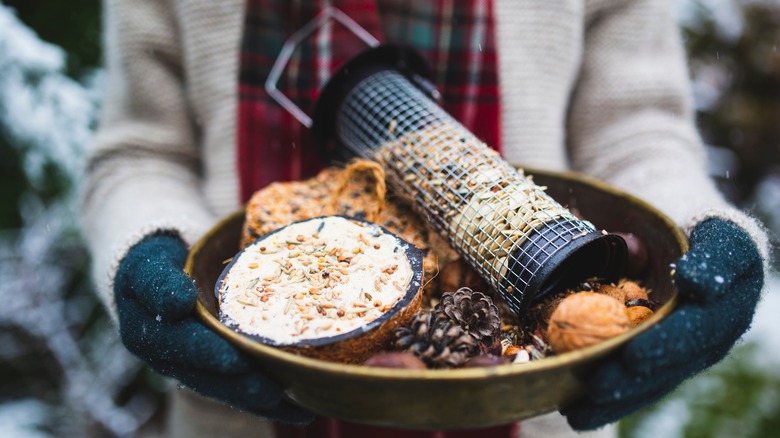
x=457, y=37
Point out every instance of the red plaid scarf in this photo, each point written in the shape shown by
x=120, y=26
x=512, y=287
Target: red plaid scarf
x=457, y=37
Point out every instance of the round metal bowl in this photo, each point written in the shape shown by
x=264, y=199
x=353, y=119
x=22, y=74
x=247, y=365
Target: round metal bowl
x=457, y=398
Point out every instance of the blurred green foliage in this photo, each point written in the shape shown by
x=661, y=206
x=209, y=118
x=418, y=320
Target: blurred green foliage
x=15, y=184
x=745, y=118
x=12, y=184
x=73, y=25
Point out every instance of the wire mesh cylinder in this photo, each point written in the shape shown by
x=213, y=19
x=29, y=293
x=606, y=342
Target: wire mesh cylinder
x=520, y=240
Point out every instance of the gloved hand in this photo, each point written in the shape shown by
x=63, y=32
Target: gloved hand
x=719, y=282
x=155, y=301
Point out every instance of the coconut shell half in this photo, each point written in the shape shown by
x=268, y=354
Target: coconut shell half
x=331, y=287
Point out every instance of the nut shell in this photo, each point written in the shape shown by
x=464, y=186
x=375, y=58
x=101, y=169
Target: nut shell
x=638, y=314
x=584, y=319
x=633, y=291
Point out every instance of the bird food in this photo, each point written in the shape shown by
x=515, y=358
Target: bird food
x=486, y=207
x=319, y=282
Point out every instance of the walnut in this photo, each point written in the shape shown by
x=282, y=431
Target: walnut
x=584, y=319
x=638, y=314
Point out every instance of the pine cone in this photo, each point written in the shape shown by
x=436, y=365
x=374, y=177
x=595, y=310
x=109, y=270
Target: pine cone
x=439, y=342
x=473, y=311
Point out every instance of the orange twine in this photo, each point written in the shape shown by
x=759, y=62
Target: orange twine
x=373, y=169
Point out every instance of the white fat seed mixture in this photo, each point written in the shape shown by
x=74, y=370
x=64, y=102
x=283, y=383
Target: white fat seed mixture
x=314, y=279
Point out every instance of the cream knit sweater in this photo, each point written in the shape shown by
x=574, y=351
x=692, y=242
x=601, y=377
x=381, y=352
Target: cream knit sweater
x=598, y=86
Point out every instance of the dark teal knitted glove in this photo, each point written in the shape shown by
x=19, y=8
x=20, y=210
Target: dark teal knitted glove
x=719, y=281
x=155, y=301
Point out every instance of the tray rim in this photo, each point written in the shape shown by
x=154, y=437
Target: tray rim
x=459, y=374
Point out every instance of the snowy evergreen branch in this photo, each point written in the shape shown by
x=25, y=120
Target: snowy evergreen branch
x=49, y=118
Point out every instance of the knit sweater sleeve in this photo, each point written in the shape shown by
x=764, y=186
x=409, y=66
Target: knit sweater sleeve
x=143, y=165
x=631, y=118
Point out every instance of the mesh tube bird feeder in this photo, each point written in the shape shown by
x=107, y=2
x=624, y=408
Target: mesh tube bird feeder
x=379, y=106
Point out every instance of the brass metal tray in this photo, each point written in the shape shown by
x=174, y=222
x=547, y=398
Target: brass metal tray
x=457, y=398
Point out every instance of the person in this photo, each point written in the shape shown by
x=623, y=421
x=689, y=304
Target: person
x=188, y=133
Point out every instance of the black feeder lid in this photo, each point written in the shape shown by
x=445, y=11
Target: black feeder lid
x=403, y=59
